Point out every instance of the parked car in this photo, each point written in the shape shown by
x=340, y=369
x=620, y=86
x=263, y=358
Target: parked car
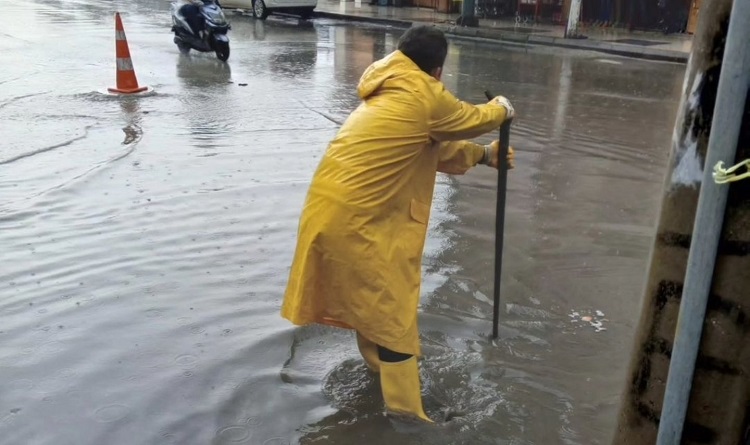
x=263, y=8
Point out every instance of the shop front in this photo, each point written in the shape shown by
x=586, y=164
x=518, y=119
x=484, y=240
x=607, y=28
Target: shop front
x=522, y=11
x=668, y=16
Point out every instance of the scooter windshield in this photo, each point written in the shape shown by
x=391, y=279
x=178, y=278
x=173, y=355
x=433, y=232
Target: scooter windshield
x=214, y=14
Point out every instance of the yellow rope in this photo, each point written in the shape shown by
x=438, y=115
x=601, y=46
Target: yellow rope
x=723, y=176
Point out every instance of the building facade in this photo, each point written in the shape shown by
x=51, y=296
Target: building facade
x=670, y=16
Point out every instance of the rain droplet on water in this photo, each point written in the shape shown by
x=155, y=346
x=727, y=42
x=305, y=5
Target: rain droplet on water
x=111, y=413
x=233, y=433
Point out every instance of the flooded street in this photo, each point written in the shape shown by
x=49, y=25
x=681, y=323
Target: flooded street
x=146, y=242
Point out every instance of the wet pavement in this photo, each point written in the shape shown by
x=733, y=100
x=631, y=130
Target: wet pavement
x=146, y=241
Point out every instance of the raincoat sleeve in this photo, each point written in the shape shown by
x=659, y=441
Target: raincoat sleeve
x=454, y=120
x=457, y=157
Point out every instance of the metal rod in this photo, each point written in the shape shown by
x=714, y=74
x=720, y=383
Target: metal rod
x=502, y=182
x=722, y=145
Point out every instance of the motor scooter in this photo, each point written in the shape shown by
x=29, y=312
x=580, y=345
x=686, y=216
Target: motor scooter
x=213, y=35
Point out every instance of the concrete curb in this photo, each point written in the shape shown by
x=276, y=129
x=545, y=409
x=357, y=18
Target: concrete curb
x=489, y=34
x=583, y=44
x=358, y=18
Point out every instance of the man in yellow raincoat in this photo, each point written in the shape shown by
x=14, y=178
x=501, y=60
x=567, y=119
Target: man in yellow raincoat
x=362, y=231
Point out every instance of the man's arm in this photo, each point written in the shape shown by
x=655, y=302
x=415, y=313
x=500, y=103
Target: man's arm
x=455, y=120
x=457, y=157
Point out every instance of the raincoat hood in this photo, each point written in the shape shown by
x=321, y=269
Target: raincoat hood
x=393, y=66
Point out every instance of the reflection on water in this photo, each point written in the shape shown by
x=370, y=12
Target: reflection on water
x=207, y=74
x=295, y=62
x=146, y=242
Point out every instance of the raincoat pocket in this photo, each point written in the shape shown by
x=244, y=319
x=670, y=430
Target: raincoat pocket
x=420, y=212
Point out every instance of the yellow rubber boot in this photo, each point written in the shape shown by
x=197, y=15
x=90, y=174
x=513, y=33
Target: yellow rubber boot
x=401, y=388
x=369, y=351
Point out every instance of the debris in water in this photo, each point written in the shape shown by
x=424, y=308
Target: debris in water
x=598, y=327
x=595, y=319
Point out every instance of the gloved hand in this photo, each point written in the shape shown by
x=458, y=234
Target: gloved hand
x=492, y=152
x=505, y=103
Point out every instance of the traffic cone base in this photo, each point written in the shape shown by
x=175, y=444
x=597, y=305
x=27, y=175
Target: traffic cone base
x=118, y=91
x=127, y=83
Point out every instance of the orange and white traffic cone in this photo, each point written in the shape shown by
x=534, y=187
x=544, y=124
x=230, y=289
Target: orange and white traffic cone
x=126, y=80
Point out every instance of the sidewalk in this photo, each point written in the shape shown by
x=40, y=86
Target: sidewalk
x=654, y=46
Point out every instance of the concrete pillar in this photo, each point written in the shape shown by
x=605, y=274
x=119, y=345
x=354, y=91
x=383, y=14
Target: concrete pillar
x=574, y=17
x=719, y=406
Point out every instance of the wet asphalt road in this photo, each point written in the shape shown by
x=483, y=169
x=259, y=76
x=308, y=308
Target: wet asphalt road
x=146, y=241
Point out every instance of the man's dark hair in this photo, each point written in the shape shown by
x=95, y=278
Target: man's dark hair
x=425, y=45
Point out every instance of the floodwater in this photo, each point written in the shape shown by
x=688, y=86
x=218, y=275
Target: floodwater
x=146, y=241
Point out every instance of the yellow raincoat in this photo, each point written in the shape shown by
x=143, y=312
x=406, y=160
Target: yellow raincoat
x=362, y=231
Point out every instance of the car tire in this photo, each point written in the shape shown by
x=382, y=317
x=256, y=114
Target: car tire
x=260, y=11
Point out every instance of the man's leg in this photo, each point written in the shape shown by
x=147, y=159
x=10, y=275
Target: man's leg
x=369, y=351
x=193, y=17
x=399, y=381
